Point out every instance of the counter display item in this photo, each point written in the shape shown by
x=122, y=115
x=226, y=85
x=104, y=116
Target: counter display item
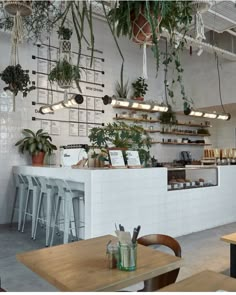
x=187, y=178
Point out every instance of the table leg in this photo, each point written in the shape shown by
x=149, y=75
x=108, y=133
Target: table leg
x=233, y=260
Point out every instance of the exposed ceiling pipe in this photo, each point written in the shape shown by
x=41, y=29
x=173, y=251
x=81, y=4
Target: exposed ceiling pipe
x=231, y=32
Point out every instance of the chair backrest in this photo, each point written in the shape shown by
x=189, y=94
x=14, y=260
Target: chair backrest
x=169, y=277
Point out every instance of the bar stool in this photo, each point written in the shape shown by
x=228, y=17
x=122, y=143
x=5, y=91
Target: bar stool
x=46, y=195
x=20, y=189
x=72, y=195
x=32, y=197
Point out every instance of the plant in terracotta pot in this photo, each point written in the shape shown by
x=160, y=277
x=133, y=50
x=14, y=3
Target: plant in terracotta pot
x=121, y=136
x=142, y=21
x=17, y=79
x=37, y=144
x=140, y=88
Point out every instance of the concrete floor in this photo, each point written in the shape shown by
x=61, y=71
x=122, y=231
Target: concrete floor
x=202, y=250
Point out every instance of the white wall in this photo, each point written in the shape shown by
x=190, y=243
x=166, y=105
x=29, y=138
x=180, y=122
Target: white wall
x=200, y=81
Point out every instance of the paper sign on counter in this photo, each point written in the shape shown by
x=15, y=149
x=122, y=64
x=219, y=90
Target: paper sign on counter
x=133, y=158
x=116, y=158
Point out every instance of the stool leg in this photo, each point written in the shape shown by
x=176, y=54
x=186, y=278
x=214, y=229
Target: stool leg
x=14, y=206
x=55, y=220
x=34, y=210
x=25, y=211
x=67, y=218
x=37, y=215
x=48, y=217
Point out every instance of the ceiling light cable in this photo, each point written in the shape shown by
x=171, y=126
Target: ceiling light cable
x=219, y=81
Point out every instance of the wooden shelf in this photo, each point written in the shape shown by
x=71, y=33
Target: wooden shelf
x=182, y=143
x=184, y=133
x=190, y=125
x=136, y=120
x=152, y=131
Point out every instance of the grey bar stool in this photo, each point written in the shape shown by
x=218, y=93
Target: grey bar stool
x=71, y=194
x=20, y=191
x=46, y=197
x=32, y=198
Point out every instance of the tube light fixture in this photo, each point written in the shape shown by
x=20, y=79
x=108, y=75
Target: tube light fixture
x=224, y=117
x=191, y=112
x=74, y=100
x=160, y=108
x=138, y=105
x=210, y=115
x=196, y=113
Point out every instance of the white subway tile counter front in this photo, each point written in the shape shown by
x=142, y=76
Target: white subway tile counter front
x=140, y=196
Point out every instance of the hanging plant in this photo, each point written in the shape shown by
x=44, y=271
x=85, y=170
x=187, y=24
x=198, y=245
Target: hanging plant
x=153, y=17
x=17, y=80
x=64, y=74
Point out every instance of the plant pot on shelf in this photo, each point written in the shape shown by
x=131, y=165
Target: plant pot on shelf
x=37, y=160
x=138, y=98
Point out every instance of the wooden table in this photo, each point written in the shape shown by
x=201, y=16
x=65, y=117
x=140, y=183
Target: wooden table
x=82, y=266
x=205, y=281
x=232, y=240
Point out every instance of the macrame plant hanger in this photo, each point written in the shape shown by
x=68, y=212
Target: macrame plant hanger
x=16, y=38
x=17, y=9
x=143, y=36
x=65, y=55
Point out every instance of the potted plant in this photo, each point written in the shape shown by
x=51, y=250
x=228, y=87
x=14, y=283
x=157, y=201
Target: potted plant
x=122, y=90
x=121, y=136
x=64, y=73
x=142, y=21
x=17, y=80
x=37, y=144
x=140, y=89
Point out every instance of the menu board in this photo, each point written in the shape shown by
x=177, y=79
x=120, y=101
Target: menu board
x=133, y=159
x=73, y=129
x=82, y=130
x=55, y=128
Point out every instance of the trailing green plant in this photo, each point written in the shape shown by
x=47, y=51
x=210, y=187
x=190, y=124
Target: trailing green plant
x=17, y=80
x=140, y=87
x=121, y=135
x=168, y=117
x=122, y=90
x=169, y=15
x=64, y=71
x=173, y=57
x=35, y=142
x=64, y=33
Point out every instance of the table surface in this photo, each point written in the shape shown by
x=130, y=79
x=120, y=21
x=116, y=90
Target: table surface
x=82, y=266
x=205, y=281
x=231, y=238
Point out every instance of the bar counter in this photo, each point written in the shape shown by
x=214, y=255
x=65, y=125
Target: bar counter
x=140, y=196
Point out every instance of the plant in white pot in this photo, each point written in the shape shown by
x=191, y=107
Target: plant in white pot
x=37, y=144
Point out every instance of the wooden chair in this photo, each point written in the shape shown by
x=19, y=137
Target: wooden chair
x=169, y=277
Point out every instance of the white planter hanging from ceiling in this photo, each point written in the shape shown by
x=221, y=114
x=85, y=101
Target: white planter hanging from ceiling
x=201, y=6
x=22, y=7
